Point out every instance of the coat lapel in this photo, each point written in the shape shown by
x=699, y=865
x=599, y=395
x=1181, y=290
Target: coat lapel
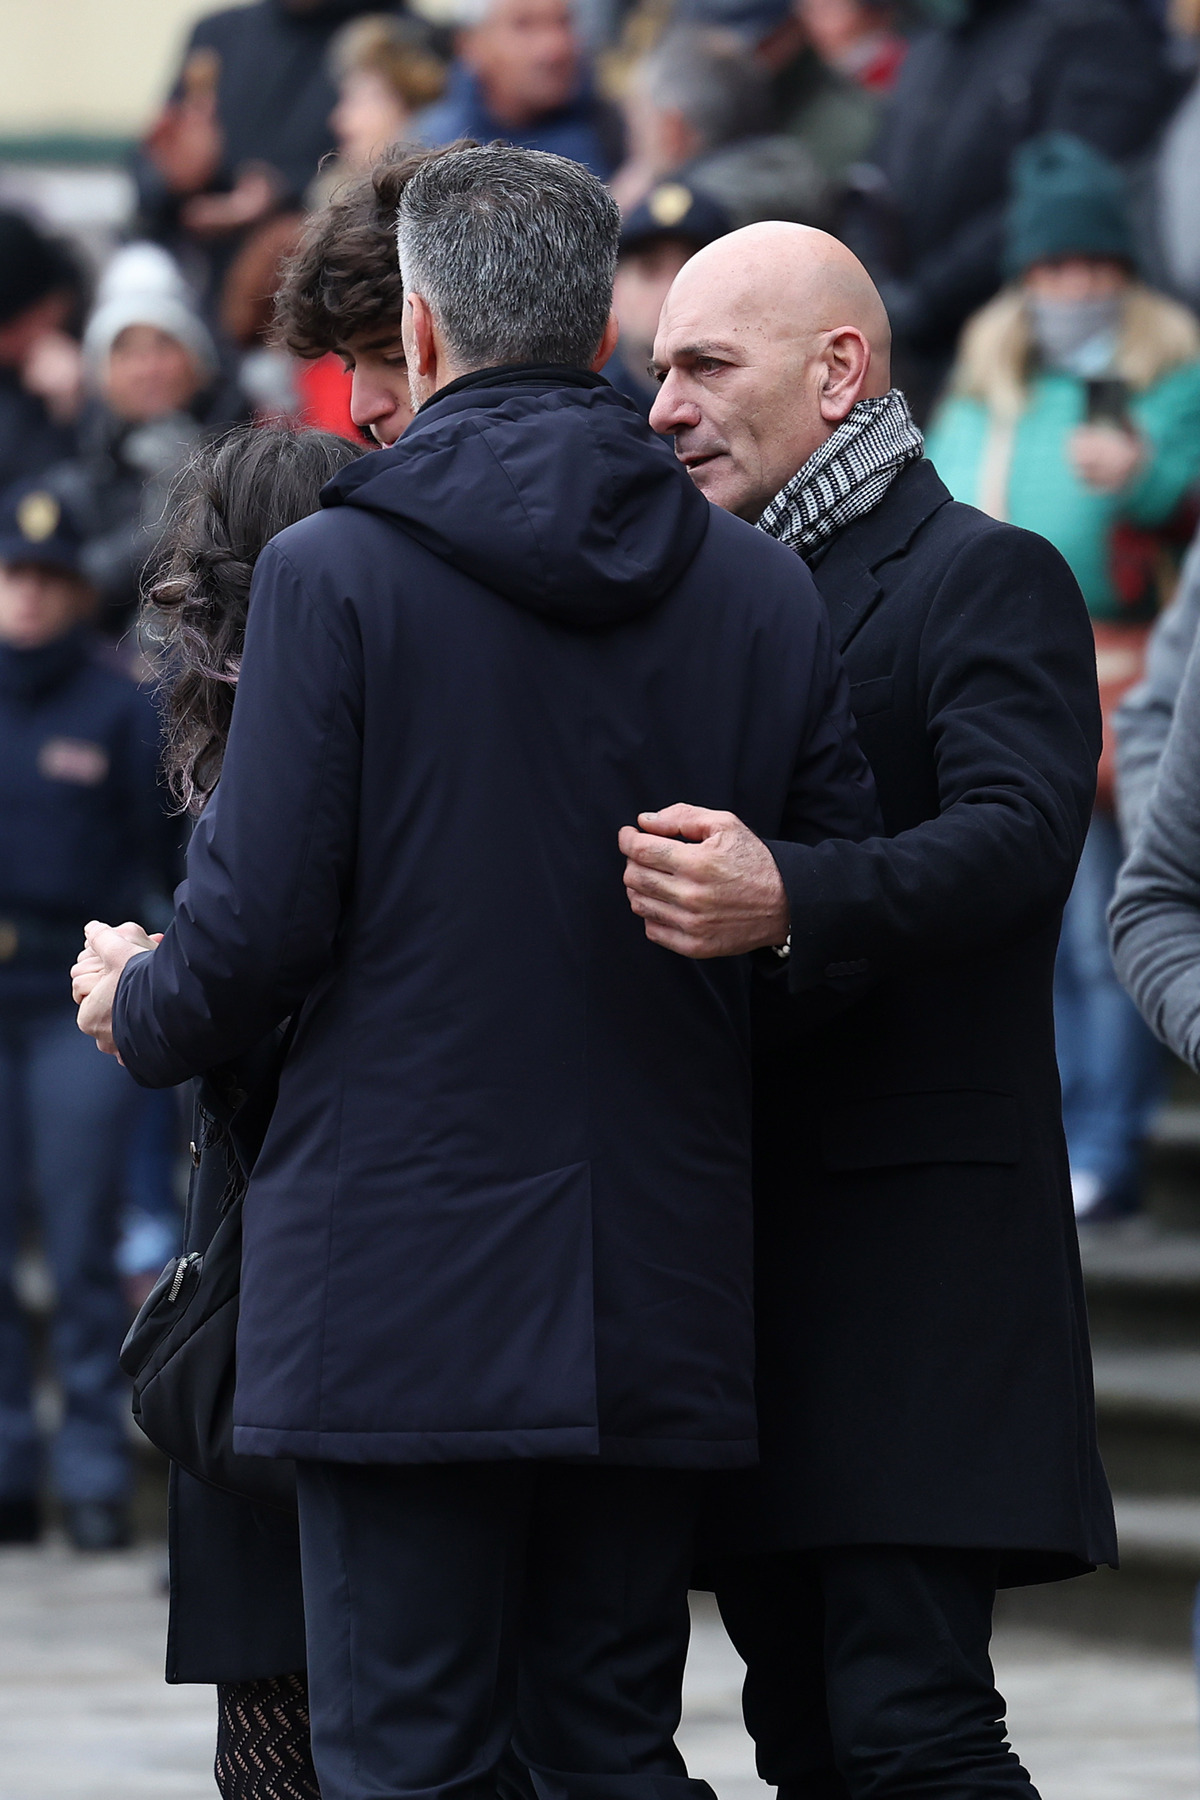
x=845, y=572
x=849, y=589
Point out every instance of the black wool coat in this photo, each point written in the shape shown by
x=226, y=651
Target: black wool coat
x=924, y=1372
x=503, y=1206
x=237, y=1609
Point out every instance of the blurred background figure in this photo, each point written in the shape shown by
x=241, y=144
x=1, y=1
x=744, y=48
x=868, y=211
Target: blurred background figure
x=386, y=74
x=1075, y=411
x=857, y=38
x=224, y=169
x=696, y=91
x=929, y=221
x=150, y=363
x=41, y=369
x=521, y=75
x=81, y=836
x=658, y=237
x=1178, y=203
x=698, y=109
x=833, y=118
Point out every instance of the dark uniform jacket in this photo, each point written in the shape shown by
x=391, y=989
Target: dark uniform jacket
x=83, y=833
x=925, y=1375
x=30, y=440
x=503, y=1208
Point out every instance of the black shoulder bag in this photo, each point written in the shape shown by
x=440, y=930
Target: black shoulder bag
x=181, y=1350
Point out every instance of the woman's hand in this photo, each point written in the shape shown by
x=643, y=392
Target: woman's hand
x=95, y=975
x=1106, y=457
x=90, y=966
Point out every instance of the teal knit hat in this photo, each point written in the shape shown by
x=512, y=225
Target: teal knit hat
x=1067, y=200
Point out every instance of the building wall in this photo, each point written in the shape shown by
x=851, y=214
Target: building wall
x=88, y=68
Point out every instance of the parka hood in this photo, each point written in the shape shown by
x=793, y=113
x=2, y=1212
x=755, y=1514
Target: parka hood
x=544, y=485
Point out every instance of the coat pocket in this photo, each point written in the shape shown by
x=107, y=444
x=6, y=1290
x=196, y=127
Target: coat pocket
x=947, y=1125
x=867, y=697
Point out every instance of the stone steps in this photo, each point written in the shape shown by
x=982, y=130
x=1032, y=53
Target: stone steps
x=1172, y=1178
x=1143, y=1289
x=1148, y=1601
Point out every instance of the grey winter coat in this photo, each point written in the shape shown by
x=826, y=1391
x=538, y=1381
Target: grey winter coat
x=1155, y=914
x=1143, y=719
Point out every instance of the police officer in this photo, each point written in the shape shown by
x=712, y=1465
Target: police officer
x=82, y=834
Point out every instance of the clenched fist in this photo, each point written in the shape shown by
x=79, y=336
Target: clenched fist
x=717, y=893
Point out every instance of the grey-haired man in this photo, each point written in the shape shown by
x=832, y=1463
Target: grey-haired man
x=496, y=1296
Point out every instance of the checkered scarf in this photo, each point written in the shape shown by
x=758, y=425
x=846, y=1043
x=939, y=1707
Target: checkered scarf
x=847, y=476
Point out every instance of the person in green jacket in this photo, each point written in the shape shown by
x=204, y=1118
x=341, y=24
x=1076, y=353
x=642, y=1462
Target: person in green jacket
x=1074, y=410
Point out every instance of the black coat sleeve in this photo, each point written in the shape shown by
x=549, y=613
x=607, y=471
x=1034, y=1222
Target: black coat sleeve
x=1006, y=683
x=270, y=865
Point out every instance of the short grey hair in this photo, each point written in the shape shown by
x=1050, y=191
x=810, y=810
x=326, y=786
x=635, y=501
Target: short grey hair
x=514, y=251
x=712, y=79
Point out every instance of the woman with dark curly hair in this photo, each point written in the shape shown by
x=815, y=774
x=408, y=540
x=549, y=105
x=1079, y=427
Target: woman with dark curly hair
x=236, y=1615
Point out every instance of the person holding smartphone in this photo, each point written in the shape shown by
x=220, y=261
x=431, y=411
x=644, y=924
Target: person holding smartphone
x=1074, y=410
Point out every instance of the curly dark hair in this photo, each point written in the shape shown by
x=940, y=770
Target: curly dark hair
x=230, y=500
x=343, y=281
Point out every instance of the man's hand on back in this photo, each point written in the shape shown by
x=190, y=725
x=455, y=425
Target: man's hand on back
x=719, y=893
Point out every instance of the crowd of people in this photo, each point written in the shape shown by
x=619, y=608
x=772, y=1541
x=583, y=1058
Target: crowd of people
x=992, y=212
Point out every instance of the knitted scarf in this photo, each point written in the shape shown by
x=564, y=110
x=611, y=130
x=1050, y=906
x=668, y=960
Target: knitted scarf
x=847, y=476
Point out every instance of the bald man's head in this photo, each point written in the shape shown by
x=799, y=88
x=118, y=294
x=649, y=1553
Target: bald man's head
x=767, y=339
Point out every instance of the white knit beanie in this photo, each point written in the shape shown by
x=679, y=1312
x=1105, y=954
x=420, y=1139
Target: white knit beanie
x=166, y=311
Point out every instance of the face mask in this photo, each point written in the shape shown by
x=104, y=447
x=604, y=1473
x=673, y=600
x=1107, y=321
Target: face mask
x=1079, y=336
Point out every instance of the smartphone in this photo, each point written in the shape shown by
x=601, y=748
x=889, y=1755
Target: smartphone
x=1108, y=402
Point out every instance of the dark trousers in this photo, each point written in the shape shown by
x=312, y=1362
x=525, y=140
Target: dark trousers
x=66, y=1113
x=868, y=1675
x=451, y=1610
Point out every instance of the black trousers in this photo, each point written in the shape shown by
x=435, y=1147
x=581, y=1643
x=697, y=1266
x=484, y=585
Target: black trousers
x=453, y=1610
x=868, y=1675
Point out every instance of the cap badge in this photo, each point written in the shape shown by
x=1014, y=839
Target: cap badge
x=669, y=203
x=37, y=516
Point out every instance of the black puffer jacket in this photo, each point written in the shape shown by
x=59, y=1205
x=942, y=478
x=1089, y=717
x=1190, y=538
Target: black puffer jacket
x=503, y=1206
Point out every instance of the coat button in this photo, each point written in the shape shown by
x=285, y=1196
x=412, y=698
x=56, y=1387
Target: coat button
x=194, y=1153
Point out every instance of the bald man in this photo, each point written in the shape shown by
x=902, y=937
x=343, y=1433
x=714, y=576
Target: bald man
x=924, y=1383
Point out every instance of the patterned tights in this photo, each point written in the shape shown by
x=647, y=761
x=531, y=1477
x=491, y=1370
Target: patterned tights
x=263, y=1749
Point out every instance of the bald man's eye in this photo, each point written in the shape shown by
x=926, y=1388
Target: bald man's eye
x=655, y=373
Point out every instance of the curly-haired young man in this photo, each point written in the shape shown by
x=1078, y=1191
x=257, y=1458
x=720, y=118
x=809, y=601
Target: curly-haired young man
x=342, y=292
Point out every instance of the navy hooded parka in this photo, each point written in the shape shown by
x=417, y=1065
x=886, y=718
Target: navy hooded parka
x=503, y=1208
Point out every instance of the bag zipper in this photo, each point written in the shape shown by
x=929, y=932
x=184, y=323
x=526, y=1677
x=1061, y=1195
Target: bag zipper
x=181, y=1269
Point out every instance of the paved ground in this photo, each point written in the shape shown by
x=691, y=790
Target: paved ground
x=84, y=1714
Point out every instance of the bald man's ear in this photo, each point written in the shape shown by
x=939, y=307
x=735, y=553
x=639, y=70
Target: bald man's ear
x=847, y=367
